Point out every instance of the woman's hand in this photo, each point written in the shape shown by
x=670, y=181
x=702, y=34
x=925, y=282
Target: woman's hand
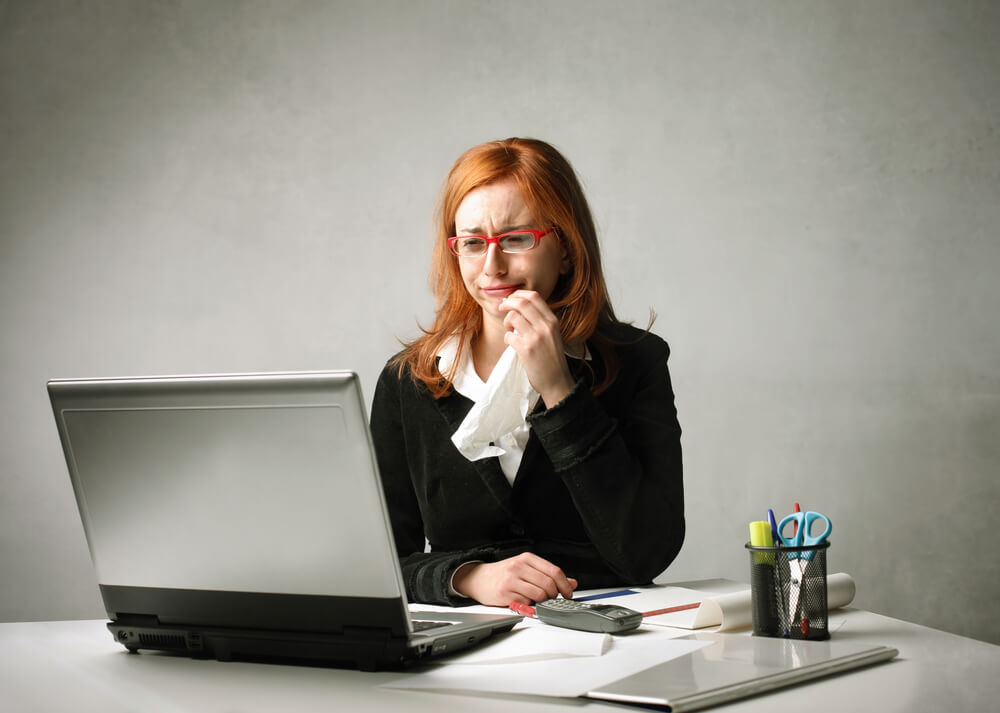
x=533, y=332
x=525, y=578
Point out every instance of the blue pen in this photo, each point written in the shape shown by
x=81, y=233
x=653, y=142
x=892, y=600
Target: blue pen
x=774, y=525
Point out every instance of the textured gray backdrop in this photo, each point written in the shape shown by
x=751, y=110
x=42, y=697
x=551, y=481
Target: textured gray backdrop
x=806, y=192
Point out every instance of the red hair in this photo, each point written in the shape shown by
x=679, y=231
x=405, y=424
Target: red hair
x=551, y=191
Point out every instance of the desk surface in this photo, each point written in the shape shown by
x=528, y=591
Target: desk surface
x=75, y=665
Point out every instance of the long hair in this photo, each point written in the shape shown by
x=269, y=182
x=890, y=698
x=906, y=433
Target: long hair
x=551, y=191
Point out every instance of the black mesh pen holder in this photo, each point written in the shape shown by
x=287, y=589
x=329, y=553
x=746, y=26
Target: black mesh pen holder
x=788, y=592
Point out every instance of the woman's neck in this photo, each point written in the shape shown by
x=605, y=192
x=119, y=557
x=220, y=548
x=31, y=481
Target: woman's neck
x=487, y=347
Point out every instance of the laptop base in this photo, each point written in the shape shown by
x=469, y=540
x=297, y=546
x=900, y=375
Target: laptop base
x=364, y=649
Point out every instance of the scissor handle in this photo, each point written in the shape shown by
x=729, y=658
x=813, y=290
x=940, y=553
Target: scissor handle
x=803, y=536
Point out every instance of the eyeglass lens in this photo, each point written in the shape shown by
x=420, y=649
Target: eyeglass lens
x=510, y=243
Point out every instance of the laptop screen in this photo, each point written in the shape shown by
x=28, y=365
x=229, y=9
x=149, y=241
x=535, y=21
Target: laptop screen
x=254, y=483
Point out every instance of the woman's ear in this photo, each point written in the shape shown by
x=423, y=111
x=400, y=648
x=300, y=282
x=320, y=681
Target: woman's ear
x=565, y=264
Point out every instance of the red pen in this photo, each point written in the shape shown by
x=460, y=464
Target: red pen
x=522, y=609
x=795, y=525
x=670, y=610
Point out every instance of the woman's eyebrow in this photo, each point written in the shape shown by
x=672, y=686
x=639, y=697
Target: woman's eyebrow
x=479, y=231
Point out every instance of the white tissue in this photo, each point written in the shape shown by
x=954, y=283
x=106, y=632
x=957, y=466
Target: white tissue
x=502, y=408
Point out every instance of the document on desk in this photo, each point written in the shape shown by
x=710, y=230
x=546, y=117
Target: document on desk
x=562, y=676
x=534, y=643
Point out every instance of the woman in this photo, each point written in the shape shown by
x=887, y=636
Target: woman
x=586, y=489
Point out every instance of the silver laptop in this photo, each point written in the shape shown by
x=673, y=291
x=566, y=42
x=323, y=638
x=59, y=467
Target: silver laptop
x=242, y=516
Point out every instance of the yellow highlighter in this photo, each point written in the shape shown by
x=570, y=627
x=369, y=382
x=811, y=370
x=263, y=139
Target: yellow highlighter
x=760, y=536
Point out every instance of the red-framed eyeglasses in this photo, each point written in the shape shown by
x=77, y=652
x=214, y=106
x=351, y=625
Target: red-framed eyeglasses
x=516, y=241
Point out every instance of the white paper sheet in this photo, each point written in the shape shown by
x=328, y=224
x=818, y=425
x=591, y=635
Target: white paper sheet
x=534, y=643
x=569, y=676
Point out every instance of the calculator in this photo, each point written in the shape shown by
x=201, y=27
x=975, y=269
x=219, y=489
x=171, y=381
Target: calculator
x=571, y=614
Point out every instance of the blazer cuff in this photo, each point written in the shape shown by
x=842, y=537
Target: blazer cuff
x=430, y=581
x=573, y=429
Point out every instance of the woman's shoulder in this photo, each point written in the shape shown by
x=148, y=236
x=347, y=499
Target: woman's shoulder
x=394, y=372
x=397, y=377
x=633, y=341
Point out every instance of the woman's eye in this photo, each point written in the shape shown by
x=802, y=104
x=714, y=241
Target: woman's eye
x=518, y=240
x=471, y=243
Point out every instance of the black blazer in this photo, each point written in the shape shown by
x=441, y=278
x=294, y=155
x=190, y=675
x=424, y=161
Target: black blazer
x=599, y=491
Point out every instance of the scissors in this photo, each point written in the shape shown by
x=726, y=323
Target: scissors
x=799, y=560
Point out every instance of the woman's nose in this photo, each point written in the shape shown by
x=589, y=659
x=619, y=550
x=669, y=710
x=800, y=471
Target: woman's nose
x=495, y=262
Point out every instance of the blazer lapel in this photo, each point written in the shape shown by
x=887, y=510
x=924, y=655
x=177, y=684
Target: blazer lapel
x=453, y=409
x=532, y=450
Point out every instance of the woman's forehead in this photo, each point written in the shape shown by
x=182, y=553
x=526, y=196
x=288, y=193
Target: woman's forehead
x=495, y=205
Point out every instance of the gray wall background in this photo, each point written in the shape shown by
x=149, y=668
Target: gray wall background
x=806, y=192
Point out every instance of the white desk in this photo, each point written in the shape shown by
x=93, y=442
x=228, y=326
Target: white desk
x=76, y=666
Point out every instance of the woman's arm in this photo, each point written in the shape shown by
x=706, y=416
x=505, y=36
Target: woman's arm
x=624, y=475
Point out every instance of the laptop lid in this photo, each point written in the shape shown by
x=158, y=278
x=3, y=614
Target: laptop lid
x=232, y=500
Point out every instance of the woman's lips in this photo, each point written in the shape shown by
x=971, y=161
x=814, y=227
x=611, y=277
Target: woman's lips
x=498, y=290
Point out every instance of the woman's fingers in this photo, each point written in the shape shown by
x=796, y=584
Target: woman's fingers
x=533, y=332
x=525, y=578
x=532, y=310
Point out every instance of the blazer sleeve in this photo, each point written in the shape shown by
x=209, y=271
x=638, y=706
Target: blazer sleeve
x=426, y=575
x=624, y=473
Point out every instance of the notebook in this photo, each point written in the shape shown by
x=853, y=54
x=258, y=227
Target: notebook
x=734, y=667
x=242, y=517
